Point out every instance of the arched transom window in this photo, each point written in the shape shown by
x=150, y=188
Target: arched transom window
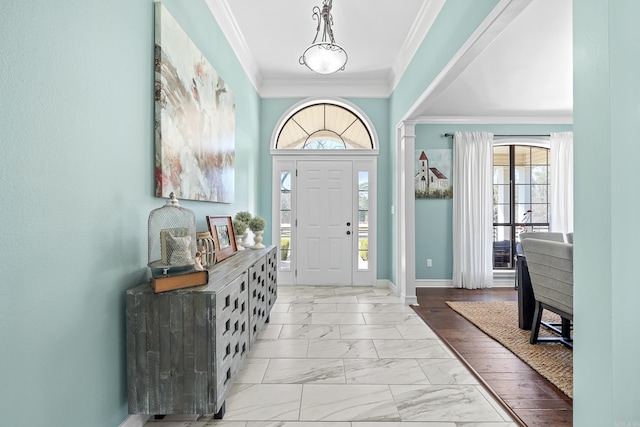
x=324, y=126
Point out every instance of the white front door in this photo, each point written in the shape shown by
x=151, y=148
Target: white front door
x=324, y=231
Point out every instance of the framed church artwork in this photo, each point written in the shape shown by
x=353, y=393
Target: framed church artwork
x=433, y=173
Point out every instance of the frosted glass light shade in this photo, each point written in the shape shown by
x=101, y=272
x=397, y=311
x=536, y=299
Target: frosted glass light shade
x=324, y=58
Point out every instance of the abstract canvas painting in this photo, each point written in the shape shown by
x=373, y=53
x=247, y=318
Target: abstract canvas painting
x=194, y=119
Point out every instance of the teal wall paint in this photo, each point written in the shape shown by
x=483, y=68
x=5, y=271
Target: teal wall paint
x=606, y=116
x=449, y=32
x=447, y=35
x=76, y=162
x=434, y=218
x=76, y=172
x=378, y=112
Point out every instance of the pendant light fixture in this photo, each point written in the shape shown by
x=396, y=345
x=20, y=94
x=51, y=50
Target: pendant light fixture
x=324, y=56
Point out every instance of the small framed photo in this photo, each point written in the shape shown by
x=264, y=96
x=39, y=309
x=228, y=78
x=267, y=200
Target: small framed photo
x=221, y=229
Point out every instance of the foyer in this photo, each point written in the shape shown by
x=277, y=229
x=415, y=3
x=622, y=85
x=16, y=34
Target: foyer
x=341, y=356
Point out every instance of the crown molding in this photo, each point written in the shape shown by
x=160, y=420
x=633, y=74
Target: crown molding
x=323, y=87
x=229, y=26
x=357, y=87
x=490, y=28
x=421, y=26
x=560, y=119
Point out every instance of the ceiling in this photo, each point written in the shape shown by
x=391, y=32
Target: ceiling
x=516, y=67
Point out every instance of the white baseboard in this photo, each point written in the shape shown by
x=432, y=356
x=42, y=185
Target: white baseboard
x=434, y=283
x=500, y=280
x=504, y=279
x=504, y=283
x=385, y=283
x=409, y=299
x=137, y=420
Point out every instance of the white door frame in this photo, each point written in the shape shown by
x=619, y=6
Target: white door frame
x=361, y=162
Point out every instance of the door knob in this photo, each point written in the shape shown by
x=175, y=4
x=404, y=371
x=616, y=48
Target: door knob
x=348, y=224
x=348, y=232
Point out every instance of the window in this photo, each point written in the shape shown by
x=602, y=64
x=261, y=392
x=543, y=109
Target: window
x=520, y=198
x=285, y=220
x=363, y=220
x=324, y=130
x=324, y=126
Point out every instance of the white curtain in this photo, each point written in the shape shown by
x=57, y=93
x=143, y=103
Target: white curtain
x=472, y=210
x=561, y=182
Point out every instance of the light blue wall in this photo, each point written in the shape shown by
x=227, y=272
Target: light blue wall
x=434, y=228
x=378, y=112
x=76, y=173
x=607, y=291
x=447, y=35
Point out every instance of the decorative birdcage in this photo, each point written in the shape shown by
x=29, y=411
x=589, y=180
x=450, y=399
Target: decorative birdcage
x=172, y=238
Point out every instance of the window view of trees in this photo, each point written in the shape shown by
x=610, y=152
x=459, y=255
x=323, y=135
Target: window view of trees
x=285, y=220
x=520, y=198
x=363, y=220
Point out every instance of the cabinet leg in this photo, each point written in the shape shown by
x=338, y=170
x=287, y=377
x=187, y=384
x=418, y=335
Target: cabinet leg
x=218, y=415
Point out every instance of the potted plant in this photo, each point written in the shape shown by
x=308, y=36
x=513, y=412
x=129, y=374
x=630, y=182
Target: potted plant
x=240, y=231
x=245, y=217
x=256, y=225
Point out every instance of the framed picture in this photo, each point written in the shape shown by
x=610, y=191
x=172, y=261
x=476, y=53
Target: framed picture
x=221, y=229
x=194, y=119
x=433, y=173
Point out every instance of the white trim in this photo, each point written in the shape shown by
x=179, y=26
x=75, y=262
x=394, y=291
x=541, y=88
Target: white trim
x=499, y=281
x=367, y=85
x=137, y=420
x=491, y=27
x=222, y=14
x=405, y=209
x=504, y=278
x=386, y=284
x=563, y=119
x=504, y=282
x=434, y=283
x=359, y=163
x=320, y=154
x=410, y=300
x=354, y=87
x=368, y=275
x=426, y=17
x=285, y=277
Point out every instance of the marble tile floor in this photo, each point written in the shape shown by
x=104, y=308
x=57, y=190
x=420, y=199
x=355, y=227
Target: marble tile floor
x=350, y=357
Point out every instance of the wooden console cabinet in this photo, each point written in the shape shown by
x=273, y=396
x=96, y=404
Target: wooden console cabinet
x=185, y=347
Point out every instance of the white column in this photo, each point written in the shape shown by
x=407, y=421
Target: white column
x=405, y=214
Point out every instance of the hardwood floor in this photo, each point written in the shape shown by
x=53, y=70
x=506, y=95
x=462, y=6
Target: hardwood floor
x=525, y=394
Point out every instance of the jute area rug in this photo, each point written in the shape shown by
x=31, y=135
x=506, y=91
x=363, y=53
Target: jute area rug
x=499, y=320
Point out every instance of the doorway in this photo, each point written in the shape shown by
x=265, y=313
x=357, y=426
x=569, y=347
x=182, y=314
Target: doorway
x=324, y=220
x=324, y=194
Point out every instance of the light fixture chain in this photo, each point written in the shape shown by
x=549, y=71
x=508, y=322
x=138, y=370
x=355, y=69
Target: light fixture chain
x=316, y=16
x=328, y=20
x=324, y=56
